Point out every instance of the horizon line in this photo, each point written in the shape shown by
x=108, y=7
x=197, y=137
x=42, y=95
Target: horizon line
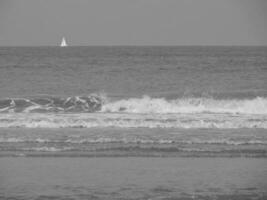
x=145, y=45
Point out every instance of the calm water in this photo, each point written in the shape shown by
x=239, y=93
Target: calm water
x=63, y=104
x=123, y=72
x=133, y=178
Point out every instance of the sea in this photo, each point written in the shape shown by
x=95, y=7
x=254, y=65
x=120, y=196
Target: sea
x=133, y=122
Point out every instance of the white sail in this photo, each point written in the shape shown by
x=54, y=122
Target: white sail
x=63, y=43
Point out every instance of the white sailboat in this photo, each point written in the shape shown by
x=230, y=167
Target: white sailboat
x=63, y=42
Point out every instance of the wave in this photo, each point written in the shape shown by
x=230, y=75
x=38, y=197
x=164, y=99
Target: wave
x=188, y=105
x=136, y=150
x=99, y=111
x=144, y=105
x=76, y=104
x=47, y=149
x=107, y=140
x=126, y=120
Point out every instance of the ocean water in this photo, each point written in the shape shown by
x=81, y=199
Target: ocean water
x=139, y=102
x=121, y=96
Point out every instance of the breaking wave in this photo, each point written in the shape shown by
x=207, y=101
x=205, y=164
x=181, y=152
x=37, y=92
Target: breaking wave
x=121, y=120
x=100, y=103
x=188, y=105
x=76, y=104
x=98, y=111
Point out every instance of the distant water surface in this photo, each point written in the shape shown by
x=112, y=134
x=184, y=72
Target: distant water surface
x=221, y=72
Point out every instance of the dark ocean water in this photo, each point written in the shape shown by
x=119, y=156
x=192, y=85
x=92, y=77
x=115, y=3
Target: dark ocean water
x=81, y=102
x=123, y=72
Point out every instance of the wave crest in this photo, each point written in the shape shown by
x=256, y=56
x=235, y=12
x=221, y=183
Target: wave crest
x=188, y=105
x=96, y=111
x=144, y=105
x=91, y=103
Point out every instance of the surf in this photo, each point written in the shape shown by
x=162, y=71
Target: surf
x=98, y=110
x=100, y=103
x=130, y=120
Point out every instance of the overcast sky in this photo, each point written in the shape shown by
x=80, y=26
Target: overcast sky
x=133, y=22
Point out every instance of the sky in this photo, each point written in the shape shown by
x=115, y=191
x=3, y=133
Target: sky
x=133, y=22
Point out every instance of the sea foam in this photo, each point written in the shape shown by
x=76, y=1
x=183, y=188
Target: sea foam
x=146, y=104
x=98, y=111
x=188, y=105
x=126, y=120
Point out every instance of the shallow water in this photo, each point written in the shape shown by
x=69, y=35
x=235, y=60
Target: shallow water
x=133, y=178
x=129, y=142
